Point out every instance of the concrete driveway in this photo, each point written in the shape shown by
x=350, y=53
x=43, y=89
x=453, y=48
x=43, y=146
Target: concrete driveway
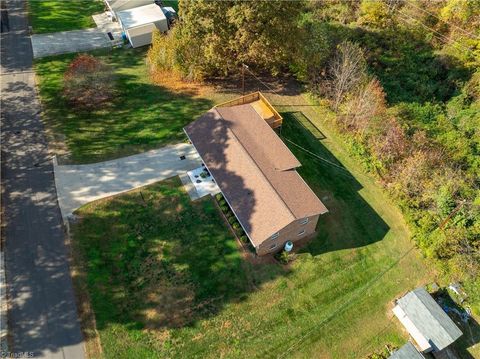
x=69, y=41
x=81, y=184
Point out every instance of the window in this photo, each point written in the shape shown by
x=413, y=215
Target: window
x=275, y=235
x=304, y=221
x=273, y=246
x=301, y=233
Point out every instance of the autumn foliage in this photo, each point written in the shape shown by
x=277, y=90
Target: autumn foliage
x=88, y=83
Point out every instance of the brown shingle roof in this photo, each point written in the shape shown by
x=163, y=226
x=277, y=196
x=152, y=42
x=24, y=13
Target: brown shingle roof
x=254, y=169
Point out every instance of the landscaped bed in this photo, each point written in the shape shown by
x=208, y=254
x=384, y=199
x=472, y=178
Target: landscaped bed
x=167, y=278
x=141, y=116
x=62, y=15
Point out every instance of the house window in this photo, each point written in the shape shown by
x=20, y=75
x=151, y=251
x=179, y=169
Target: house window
x=301, y=233
x=304, y=221
x=275, y=235
x=273, y=246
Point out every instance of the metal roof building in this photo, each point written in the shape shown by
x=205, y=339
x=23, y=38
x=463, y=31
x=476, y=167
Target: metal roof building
x=139, y=23
x=408, y=351
x=427, y=323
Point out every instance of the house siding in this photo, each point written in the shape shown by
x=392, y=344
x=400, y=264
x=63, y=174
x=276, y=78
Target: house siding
x=289, y=233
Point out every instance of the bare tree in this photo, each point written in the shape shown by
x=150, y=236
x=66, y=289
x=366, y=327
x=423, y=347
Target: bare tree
x=347, y=71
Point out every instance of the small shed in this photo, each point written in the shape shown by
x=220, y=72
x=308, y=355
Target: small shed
x=139, y=23
x=426, y=322
x=408, y=351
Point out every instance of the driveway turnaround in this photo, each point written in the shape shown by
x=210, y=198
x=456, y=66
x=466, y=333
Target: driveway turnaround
x=42, y=313
x=81, y=184
x=69, y=41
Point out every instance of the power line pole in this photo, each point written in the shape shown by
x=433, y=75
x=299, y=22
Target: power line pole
x=243, y=78
x=456, y=209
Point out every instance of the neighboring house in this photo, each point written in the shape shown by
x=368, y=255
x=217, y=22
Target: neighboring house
x=256, y=172
x=139, y=23
x=408, y=351
x=426, y=322
x=119, y=5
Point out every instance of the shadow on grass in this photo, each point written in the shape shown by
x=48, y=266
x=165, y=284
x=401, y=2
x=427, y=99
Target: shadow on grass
x=351, y=221
x=141, y=117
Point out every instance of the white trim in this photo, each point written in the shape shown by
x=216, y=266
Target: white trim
x=414, y=332
x=304, y=221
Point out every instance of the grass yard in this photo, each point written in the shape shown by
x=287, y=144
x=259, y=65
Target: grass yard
x=62, y=15
x=142, y=116
x=167, y=280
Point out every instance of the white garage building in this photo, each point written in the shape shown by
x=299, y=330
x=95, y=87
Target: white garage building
x=119, y=5
x=426, y=322
x=139, y=23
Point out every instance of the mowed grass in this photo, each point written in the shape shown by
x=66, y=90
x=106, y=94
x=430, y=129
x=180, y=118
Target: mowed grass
x=141, y=117
x=167, y=279
x=62, y=15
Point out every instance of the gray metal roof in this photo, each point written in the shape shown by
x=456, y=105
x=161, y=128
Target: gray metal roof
x=408, y=351
x=429, y=318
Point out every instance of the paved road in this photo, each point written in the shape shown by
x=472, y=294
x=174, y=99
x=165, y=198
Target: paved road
x=80, y=184
x=42, y=314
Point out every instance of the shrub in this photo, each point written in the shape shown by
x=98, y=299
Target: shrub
x=283, y=257
x=244, y=239
x=224, y=209
x=219, y=196
x=236, y=225
x=222, y=202
x=88, y=82
x=232, y=220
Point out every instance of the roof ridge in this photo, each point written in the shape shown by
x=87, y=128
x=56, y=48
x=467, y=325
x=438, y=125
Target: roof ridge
x=430, y=312
x=256, y=165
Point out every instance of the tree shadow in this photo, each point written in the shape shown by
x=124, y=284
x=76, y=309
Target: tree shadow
x=408, y=67
x=142, y=116
x=158, y=260
x=351, y=221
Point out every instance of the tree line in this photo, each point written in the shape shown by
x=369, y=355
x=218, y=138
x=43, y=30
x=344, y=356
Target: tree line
x=402, y=79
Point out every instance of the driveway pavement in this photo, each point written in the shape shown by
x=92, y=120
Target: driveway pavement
x=69, y=41
x=81, y=184
x=42, y=313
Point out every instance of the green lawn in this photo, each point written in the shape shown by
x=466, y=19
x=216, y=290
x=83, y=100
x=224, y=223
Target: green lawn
x=62, y=15
x=171, y=3
x=167, y=280
x=142, y=116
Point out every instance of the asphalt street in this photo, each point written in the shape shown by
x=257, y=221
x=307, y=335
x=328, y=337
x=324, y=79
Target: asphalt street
x=42, y=312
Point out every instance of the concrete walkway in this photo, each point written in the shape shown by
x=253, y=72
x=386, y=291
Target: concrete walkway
x=81, y=184
x=69, y=41
x=42, y=314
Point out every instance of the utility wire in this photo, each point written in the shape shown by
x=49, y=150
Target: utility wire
x=444, y=21
x=347, y=303
x=445, y=38
x=315, y=155
x=263, y=83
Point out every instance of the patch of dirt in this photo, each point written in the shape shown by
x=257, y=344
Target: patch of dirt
x=169, y=306
x=174, y=83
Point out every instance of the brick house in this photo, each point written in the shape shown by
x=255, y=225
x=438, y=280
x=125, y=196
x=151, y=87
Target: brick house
x=256, y=172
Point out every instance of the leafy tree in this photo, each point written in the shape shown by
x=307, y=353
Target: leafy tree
x=216, y=37
x=374, y=14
